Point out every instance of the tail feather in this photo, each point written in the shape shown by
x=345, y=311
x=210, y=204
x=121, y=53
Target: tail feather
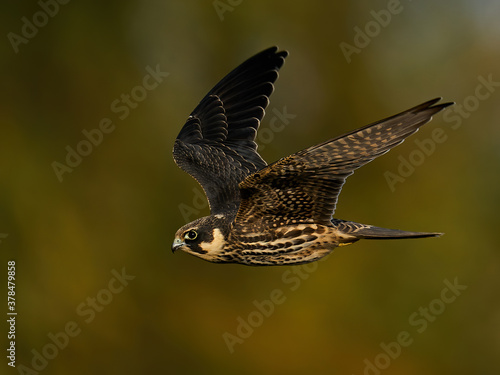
x=363, y=231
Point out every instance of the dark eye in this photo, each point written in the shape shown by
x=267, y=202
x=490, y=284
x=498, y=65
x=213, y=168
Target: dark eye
x=191, y=235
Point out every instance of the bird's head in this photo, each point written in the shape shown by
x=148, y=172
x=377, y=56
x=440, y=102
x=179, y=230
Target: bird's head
x=204, y=238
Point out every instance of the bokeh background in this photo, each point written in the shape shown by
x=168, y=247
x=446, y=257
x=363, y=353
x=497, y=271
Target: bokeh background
x=119, y=208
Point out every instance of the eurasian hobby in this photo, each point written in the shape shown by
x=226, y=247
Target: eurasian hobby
x=280, y=213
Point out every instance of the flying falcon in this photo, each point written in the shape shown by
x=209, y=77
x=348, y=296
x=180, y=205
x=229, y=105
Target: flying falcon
x=281, y=213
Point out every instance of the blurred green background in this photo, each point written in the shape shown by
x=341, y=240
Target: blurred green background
x=120, y=206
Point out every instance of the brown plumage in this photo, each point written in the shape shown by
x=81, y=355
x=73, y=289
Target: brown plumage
x=279, y=213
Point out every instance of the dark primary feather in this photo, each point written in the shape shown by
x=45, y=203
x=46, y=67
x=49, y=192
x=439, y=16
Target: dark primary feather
x=304, y=187
x=217, y=145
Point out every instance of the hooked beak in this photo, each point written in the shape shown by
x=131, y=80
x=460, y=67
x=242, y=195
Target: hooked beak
x=177, y=243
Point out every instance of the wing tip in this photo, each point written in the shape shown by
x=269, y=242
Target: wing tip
x=275, y=52
x=432, y=104
x=371, y=232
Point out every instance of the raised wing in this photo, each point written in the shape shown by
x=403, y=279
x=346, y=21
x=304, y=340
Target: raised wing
x=304, y=187
x=217, y=145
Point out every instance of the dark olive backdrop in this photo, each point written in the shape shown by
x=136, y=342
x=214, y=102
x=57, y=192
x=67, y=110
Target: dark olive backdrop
x=97, y=287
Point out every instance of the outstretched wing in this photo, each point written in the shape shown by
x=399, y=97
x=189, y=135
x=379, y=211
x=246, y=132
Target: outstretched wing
x=304, y=187
x=217, y=145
